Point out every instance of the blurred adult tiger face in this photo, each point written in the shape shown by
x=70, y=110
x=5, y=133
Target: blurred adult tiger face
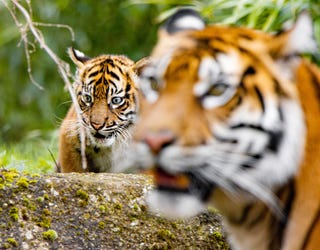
x=226, y=121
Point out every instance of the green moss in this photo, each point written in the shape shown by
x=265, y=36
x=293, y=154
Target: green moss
x=220, y=240
x=9, y=175
x=40, y=199
x=165, y=234
x=102, y=224
x=24, y=214
x=12, y=242
x=6, y=246
x=35, y=175
x=217, y=235
x=46, y=197
x=118, y=206
x=136, y=207
x=82, y=194
x=86, y=232
x=82, y=203
x=23, y=182
x=46, y=211
x=86, y=216
x=50, y=235
x=45, y=222
x=14, y=213
x=29, y=204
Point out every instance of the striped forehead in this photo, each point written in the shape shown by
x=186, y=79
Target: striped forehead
x=102, y=78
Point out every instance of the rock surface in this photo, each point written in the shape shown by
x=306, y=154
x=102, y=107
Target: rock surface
x=93, y=211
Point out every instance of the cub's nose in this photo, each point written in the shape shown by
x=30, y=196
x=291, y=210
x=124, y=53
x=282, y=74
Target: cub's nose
x=97, y=125
x=158, y=140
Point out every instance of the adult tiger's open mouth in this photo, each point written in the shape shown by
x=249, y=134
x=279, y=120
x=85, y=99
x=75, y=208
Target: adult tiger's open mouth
x=174, y=195
x=191, y=183
x=167, y=181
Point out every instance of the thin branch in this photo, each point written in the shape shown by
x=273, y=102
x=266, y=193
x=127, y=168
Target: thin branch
x=63, y=67
x=59, y=26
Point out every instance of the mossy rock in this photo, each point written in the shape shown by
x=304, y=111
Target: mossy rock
x=93, y=211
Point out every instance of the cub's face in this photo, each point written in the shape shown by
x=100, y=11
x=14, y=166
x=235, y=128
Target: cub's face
x=106, y=92
x=220, y=117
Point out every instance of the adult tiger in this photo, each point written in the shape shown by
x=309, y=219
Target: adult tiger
x=231, y=118
x=106, y=91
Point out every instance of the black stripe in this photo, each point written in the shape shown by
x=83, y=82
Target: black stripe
x=131, y=113
x=275, y=140
x=110, y=62
x=119, y=68
x=92, y=74
x=316, y=85
x=225, y=140
x=244, y=215
x=114, y=75
x=250, y=164
x=287, y=196
x=260, y=97
x=112, y=83
x=275, y=137
x=311, y=229
x=259, y=217
x=249, y=71
x=128, y=87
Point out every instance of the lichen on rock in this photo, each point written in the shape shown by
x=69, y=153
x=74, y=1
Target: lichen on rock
x=93, y=211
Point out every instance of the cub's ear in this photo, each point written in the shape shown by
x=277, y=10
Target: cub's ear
x=184, y=19
x=297, y=39
x=77, y=57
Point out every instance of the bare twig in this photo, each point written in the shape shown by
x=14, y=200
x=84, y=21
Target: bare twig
x=63, y=67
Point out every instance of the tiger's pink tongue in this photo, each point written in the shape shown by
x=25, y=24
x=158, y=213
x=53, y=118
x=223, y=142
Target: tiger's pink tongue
x=179, y=181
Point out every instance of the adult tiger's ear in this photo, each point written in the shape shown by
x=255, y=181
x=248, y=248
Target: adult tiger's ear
x=139, y=65
x=77, y=57
x=184, y=19
x=295, y=40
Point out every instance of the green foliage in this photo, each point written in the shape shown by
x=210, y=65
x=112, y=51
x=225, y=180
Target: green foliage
x=32, y=155
x=266, y=15
x=100, y=27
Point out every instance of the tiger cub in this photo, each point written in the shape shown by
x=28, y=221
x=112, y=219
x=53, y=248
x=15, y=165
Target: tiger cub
x=230, y=117
x=105, y=87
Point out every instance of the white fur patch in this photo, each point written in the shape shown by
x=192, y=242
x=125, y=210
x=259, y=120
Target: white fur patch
x=79, y=54
x=174, y=206
x=301, y=37
x=189, y=22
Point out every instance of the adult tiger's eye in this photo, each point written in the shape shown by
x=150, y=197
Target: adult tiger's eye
x=153, y=83
x=116, y=100
x=217, y=89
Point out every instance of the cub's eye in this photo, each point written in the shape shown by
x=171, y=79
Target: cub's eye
x=217, y=89
x=87, y=98
x=116, y=100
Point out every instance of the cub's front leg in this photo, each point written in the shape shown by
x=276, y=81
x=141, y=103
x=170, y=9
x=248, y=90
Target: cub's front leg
x=69, y=145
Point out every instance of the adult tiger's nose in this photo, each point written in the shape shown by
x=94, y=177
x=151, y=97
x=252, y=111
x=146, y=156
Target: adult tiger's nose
x=158, y=140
